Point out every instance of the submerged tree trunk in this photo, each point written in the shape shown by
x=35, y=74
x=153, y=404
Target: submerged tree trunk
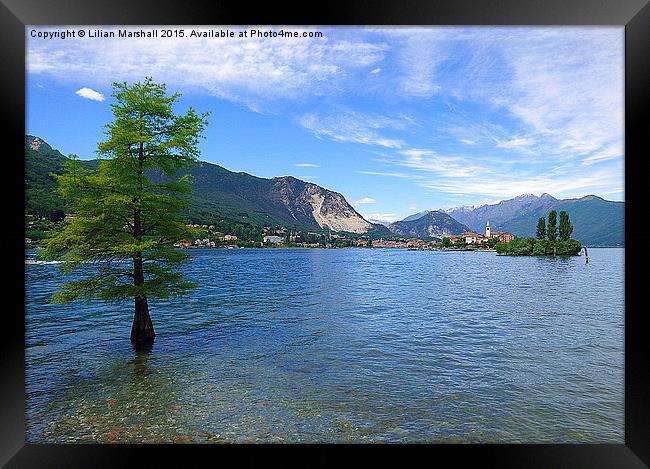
x=142, y=329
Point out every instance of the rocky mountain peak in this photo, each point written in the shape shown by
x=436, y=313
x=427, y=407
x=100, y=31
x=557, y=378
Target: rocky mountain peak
x=36, y=143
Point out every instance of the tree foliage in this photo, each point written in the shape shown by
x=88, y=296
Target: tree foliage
x=121, y=238
x=543, y=247
x=501, y=247
x=569, y=247
x=565, y=226
x=541, y=228
x=551, y=230
x=521, y=246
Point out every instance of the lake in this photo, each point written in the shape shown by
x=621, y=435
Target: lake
x=340, y=345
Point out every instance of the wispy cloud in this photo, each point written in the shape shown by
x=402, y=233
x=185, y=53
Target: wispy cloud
x=89, y=93
x=448, y=166
x=420, y=51
x=365, y=201
x=516, y=143
x=465, y=112
x=381, y=217
x=512, y=186
x=389, y=174
x=607, y=152
x=240, y=69
x=349, y=126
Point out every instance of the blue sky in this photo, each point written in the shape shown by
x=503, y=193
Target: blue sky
x=398, y=120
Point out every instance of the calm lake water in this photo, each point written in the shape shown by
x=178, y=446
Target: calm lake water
x=340, y=345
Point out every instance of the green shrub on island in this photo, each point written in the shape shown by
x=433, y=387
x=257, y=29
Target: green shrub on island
x=570, y=247
x=565, y=246
x=543, y=247
x=521, y=246
x=539, y=247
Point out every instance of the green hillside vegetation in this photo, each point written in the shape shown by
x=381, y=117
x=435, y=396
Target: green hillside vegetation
x=234, y=203
x=40, y=196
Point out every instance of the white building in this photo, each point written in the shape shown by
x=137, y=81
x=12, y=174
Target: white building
x=273, y=239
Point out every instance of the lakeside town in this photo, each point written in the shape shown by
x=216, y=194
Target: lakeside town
x=209, y=237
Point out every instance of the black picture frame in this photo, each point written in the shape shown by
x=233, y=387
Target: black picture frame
x=634, y=15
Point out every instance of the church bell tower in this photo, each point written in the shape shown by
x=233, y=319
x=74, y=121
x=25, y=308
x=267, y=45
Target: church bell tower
x=487, y=229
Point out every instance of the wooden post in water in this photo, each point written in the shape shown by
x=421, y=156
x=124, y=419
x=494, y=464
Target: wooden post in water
x=586, y=255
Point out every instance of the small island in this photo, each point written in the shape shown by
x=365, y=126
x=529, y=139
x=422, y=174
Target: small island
x=547, y=241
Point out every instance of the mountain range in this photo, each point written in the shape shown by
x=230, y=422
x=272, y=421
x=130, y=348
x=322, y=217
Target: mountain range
x=220, y=195
x=429, y=225
x=596, y=221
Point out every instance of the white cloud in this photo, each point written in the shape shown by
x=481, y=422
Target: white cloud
x=350, y=126
x=89, y=93
x=516, y=142
x=419, y=52
x=608, y=152
x=239, y=69
x=448, y=166
x=307, y=165
x=566, y=87
x=365, y=201
x=563, y=85
x=510, y=186
x=382, y=173
x=382, y=217
x=553, y=95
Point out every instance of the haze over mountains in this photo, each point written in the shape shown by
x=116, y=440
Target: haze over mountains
x=243, y=198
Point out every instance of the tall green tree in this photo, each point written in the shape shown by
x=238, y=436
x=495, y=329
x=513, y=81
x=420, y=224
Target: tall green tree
x=565, y=226
x=541, y=228
x=127, y=213
x=551, y=229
